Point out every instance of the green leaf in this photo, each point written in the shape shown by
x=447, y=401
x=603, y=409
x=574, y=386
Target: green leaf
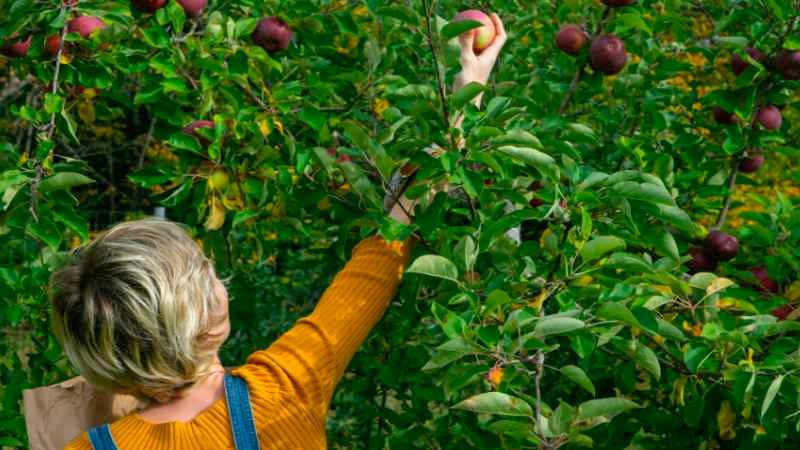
x=313, y=117
x=435, y=266
x=448, y=352
x=63, y=180
x=647, y=192
x=631, y=263
x=496, y=403
x=46, y=231
x=599, y=246
x=772, y=391
x=617, y=311
x=608, y=407
x=646, y=358
x=465, y=94
x=543, y=162
x=557, y=325
x=457, y=27
x=577, y=375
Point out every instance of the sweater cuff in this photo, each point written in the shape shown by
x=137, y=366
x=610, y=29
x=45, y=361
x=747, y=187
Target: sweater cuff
x=400, y=250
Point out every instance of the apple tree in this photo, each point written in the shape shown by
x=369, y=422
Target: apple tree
x=615, y=264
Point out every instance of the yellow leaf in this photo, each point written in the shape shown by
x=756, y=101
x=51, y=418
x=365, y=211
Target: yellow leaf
x=718, y=284
x=86, y=112
x=495, y=376
x=582, y=281
x=263, y=127
x=380, y=105
x=216, y=214
x=793, y=291
x=726, y=420
x=539, y=299
x=65, y=58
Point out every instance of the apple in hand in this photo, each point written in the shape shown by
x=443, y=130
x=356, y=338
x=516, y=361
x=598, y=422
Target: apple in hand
x=484, y=35
x=607, y=54
x=273, y=34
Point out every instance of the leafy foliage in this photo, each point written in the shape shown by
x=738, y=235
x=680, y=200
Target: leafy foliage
x=588, y=332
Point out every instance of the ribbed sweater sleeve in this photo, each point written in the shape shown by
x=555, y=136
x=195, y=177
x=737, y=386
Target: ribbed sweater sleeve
x=314, y=353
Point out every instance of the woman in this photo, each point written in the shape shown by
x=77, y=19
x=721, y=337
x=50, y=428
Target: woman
x=141, y=312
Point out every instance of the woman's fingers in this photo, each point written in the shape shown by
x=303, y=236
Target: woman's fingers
x=498, y=27
x=467, y=41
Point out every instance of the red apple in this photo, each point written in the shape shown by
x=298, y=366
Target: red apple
x=788, y=64
x=332, y=151
x=273, y=34
x=721, y=246
x=85, y=25
x=193, y=8
x=16, y=49
x=751, y=163
x=189, y=129
x=607, y=54
x=535, y=185
x=770, y=117
x=344, y=158
x=535, y=202
x=701, y=262
x=149, y=6
x=571, y=39
x=739, y=65
x=614, y=3
x=782, y=312
x=51, y=45
x=484, y=35
x=766, y=283
x=724, y=117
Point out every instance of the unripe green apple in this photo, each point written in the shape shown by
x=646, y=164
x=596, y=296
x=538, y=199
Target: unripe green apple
x=218, y=180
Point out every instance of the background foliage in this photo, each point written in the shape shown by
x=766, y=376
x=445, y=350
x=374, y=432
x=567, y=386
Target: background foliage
x=588, y=333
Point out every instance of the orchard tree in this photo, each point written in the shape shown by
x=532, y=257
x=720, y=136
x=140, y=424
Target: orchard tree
x=615, y=264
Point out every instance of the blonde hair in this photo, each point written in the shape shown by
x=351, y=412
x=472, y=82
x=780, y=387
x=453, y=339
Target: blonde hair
x=134, y=309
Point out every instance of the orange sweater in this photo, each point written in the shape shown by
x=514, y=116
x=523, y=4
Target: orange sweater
x=291, y=382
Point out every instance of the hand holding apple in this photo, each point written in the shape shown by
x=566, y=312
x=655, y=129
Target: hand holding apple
x=477, y=67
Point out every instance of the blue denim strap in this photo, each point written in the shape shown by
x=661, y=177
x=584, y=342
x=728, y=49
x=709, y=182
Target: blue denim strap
x=243, y=427
x=100, y=438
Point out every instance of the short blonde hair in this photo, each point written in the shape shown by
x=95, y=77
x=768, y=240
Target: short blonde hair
x=131, y=311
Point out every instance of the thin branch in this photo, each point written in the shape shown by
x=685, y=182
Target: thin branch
x=723, y=213
x=439, y=80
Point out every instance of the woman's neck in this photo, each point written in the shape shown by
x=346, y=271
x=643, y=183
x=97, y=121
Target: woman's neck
x=199, y=398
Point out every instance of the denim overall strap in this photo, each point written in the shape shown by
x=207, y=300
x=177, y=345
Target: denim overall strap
x=100, y=438
x=243, y=426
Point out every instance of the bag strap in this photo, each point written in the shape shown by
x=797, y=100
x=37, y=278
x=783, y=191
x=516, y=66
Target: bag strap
x=240, y=412
x=101, y=439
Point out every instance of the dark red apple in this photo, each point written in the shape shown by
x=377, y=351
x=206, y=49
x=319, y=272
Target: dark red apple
x=769, y=117
x=701, y=262
x=488, y=182
x=615, y=3
x=190, y=129
x=535, y=186
x=85, y=25
x=752, y=162
x=484, y=35
x=724, y=117
x=332, y=151
x=571, y=39
x=766, y=283
x=344, y=158
x=721, y=246
x=739, y=65
x=16, y=49
x=782, y=312
x=273, y=34
x=607, y=54
x=193, y=8
x=535, y=202
x=51, y=45
x=788, y=64
x=149, y=6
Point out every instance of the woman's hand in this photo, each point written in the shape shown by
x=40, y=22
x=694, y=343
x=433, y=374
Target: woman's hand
x=478, y=68
x=402, y=210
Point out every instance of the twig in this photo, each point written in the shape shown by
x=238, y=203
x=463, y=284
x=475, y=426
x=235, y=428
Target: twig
x=439, y=80
x=723, y=213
